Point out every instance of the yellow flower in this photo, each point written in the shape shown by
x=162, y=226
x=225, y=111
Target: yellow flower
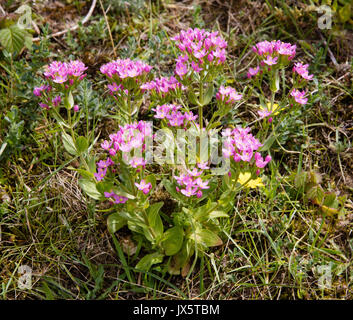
x=253, y=183
x=273, y=111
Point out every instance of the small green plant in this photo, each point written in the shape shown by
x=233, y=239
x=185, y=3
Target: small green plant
x=308, y=184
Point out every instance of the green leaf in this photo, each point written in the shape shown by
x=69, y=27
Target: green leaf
x=126, y=177
x=91, y=162
x=149, y=260
x=81, y=144
x=69, y=144
x=202, y=213
x=214, y=125
x=192, y=97
x=208, y=96
x=60, y=120
x=104, y=186
x=84, y=173
x=331, y=200
x=275, y=82
x=268, y=143
x=70, y=101
x=115, y=222
x=108, y=186
x=300, y=179
x=172, y=240
x=90, y=188
x=154, y=218
x=170, y=187
x=206, y=237
x=345, y=13
x=28, y=41
x=151, y=179
x=13, y=38
x=316, y=194
x=218, y=214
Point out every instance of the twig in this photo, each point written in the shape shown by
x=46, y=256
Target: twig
x=84, y=20
x=107, y=23
x=2, y=11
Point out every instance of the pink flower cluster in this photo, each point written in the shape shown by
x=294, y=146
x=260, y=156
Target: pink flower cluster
x=38, y=90
x=114, y=88
x=199, y=47
x=175, y=117
x=103, y=166
x=241, y=145
x=143, y=186
x=302, y=70
x=67, y=74
x=129, y=137
x=61, y=72
x=125, y=68
x=191, y=183
x=162, y=85
x=117, y=199
x=54, y=102
x=228, y=95
x=299, y=96
x=271, y=52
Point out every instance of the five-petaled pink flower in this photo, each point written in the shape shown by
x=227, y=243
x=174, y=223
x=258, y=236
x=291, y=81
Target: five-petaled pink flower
x=143, y=186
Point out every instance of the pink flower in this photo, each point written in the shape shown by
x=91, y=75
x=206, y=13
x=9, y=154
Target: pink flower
x=203, y=165
x=175, y=118
x=56, y=100
x=196, y=67
x=299, y=96
x=101, y=173
x=199, y=47
x=105, y=164
x=266, y=48
x=138, y=162
x=125, y=68
x=163, y=85
x=114, y=87
x=302, y=70
x=189, y=191
x=260, y=162
x=38, y=91
x=194, y=172
x=270, y=60
x=129, y=137
x=106, y=145
x=202, y=184
x=117, y=199
x=246, y=155
x=264, y=113
x=44, y=105
x=60, y=78
x=76, y=108
x=228, y=94
x=60, y=72
x=253, y=72
x=143, y=186
x=181, y=69
x=162, y=111
x=241, y=145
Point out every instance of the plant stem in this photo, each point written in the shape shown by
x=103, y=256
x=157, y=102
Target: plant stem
x=201, y=106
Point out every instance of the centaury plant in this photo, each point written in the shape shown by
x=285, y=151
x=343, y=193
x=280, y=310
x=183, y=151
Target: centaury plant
x=203, y=184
